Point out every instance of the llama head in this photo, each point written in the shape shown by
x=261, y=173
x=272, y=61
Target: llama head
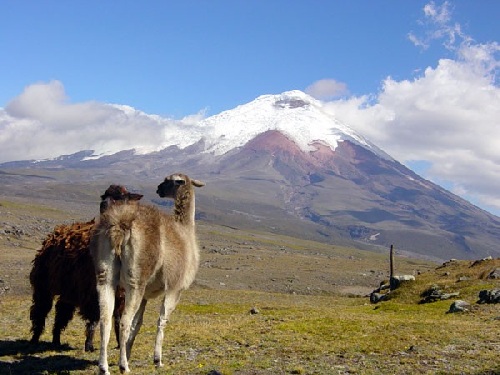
x=170, y=186
x=115, y=193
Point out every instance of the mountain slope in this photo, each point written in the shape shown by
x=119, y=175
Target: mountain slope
x=352, y=193
x=282, y=164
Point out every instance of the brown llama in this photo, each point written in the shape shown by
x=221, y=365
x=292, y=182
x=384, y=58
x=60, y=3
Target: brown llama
x=148, y=253
x=63, y=267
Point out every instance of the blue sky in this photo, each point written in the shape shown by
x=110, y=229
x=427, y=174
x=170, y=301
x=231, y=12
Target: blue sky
x=175, y=58
x=417, y=78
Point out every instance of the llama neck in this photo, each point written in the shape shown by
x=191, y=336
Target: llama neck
x=184, y=207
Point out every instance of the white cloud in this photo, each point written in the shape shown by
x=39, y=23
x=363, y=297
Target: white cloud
x=327, y=89
x=438, y=14
x=42, y=123
x=439, y=27
x=448, y=117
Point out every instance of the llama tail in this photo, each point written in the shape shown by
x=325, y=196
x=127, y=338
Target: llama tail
x=118, y=237
x=115, y=225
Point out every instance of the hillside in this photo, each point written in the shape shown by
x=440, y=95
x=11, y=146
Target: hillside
x=311, y=312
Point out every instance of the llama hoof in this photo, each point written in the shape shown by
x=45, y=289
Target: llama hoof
x=89, y=348
x=158, y=362
x=57, y=346
x=103, y=371
x=124, y=369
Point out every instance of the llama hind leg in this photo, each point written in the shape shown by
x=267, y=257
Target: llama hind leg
x=106, y=297
x=89, y=335
x=118, y=312
x=90, y=313
x=42, y=303
x=135, y=327
x=64, y=313
x=107, y=280
x=169, y=303
x=133, y=304
x=116, y=326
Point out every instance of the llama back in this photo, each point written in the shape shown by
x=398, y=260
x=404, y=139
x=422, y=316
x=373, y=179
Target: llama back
x=157, y=244
x=120, y=221
x=59, y=256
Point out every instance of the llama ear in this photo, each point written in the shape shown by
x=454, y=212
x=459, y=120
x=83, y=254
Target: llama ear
x=197, y=183
x=134, y=196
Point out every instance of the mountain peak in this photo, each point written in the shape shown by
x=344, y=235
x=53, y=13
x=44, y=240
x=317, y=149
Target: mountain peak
x=289, y=100
x=295, y=114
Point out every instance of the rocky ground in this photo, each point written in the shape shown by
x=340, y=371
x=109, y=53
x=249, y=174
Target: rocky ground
x=230, y=259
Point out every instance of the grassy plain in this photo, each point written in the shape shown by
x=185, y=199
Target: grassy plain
x=313, y=316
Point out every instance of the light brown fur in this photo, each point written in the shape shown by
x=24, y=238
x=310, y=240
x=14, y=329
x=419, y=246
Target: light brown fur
x=149, y=253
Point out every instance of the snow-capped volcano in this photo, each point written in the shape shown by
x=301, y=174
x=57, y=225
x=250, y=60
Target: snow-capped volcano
x=295, y=114
x=298, y=116
x=281, y=163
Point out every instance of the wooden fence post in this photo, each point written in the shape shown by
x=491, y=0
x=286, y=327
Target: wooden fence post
x=392, y=281
x=391, y=260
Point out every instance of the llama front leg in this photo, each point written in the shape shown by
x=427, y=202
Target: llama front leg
x=169, y=302
x=90, y=312
x=64, y=313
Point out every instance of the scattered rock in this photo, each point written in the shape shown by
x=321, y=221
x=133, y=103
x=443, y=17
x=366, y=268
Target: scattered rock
x=384, y=285
x=445, y=264
x=489, y=296
x=3, y=288
x=396, y=281
x=434, y=293
x=459, y=306
x=479, y=261
x=254, y=311
x=378, y=297
x=495, y=274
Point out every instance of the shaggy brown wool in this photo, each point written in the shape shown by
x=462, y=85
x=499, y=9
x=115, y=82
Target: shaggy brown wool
x=63, y=267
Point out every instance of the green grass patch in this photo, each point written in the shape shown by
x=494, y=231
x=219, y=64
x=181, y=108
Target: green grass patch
x=214, y=330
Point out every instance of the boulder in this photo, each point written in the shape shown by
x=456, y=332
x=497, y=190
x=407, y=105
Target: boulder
x=489, y=296
x=459, y=306
x=378, y=297
x=495, y=274
x=396, y=281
